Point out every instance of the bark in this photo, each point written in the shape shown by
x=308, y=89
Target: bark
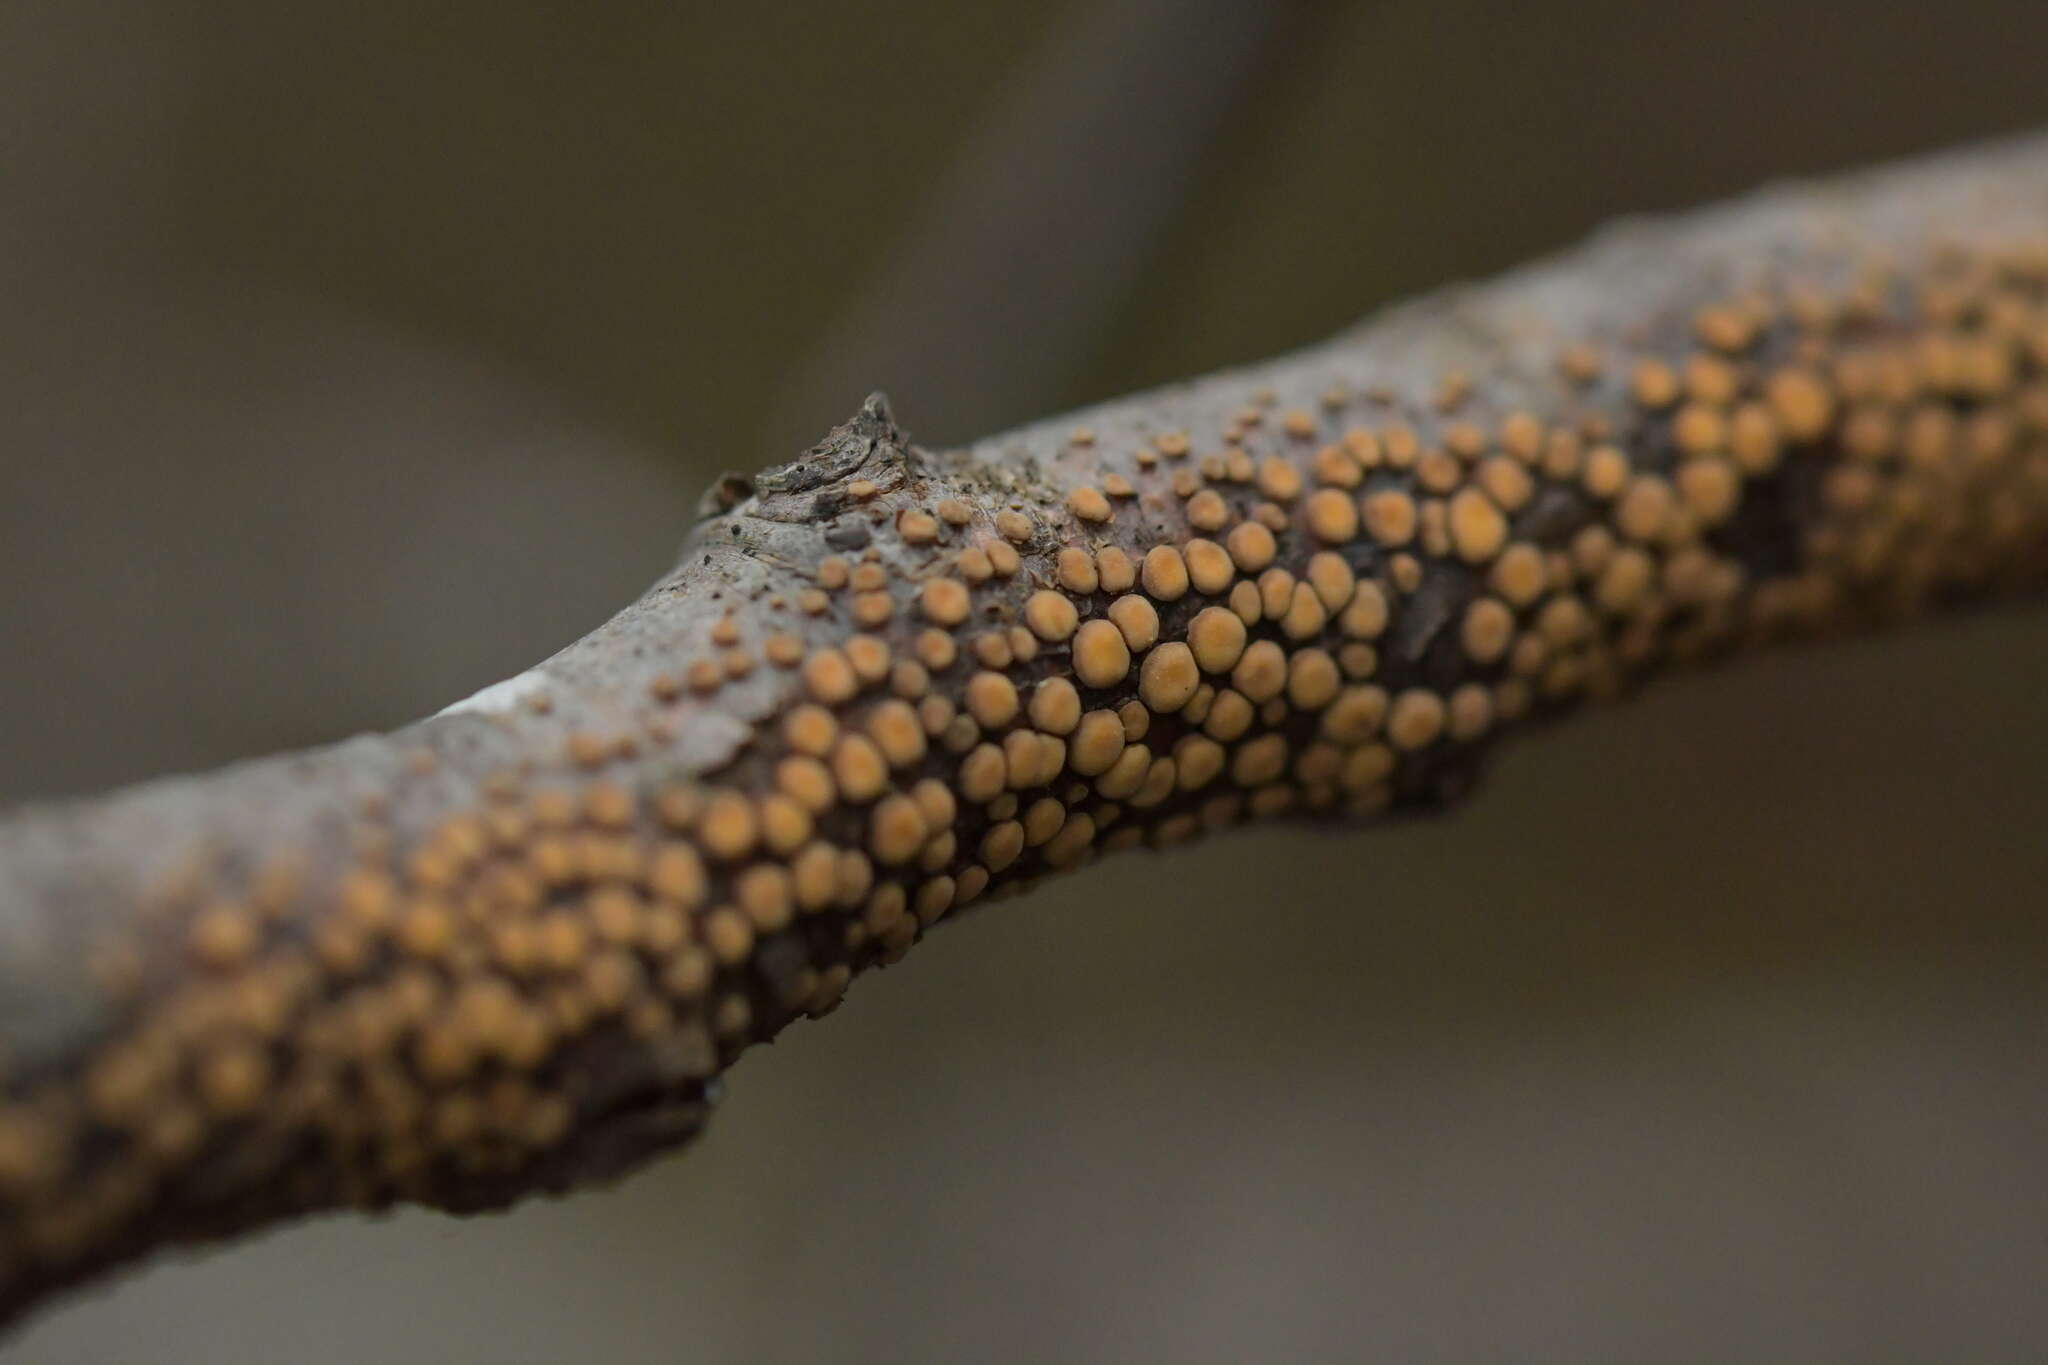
x=512, y=948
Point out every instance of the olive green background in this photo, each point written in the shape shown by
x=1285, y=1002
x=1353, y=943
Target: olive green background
x=354, y=356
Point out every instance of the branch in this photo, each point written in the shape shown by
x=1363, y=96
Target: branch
x=512, y=948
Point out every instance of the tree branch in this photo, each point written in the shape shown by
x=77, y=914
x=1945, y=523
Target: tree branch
x=512, y=948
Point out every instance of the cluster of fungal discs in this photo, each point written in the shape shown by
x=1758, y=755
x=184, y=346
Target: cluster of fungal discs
x=1325, y=607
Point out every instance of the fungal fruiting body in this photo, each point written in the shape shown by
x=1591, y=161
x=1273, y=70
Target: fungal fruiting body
x=514, y=947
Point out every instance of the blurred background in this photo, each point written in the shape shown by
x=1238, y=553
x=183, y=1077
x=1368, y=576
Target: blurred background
x=353, y=356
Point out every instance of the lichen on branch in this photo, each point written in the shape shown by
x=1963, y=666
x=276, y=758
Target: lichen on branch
x=515, y=946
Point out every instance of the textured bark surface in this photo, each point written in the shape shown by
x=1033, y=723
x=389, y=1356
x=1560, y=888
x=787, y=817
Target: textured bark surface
x=513, y=947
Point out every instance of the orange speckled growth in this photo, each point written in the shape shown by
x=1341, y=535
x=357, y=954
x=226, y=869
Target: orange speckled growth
x=514, y=948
